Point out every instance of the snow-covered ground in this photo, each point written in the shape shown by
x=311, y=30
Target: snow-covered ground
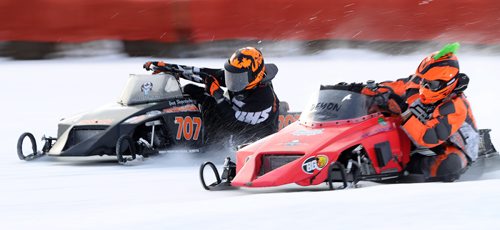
x=164, y=192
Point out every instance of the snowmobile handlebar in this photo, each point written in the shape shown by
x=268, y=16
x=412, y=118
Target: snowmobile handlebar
x=389, y=94
x=165, y=69
x=177, y=71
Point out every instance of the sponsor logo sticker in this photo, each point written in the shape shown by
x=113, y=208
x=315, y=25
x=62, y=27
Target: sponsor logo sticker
x=146, y=87
x=308, y=132
x=348, y=97
x=382, y=122
x=184, y=108
x=314, y=163
x=293, y=143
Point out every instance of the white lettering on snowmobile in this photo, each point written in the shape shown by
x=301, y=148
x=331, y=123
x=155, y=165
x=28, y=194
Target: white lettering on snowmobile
x=313, y=163
x=348, y=97
x=184, y=101
x=253, y=117
x=307, y=132
x=310, y=166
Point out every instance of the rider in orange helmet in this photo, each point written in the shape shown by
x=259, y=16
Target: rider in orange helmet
x=249, y=108
x=438, y=118
x=440, y=121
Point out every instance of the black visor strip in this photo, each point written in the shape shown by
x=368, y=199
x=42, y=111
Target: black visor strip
x=452, y=63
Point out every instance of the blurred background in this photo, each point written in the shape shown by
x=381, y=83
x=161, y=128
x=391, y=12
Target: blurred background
x=42, y=29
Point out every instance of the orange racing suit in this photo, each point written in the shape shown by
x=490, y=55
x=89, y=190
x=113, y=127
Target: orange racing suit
x=446, y=139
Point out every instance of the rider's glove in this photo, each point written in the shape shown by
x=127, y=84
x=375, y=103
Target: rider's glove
x=212, y=87
x=373, y=89
x=187, y=72
x=155, y=66
x=421, y=111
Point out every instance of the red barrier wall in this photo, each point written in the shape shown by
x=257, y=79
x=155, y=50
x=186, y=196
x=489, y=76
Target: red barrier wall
x=388, y=20
x=474, y=21
x=85, y=20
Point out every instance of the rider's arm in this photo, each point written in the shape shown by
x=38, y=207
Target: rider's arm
x=217, y=73
x=445, y=121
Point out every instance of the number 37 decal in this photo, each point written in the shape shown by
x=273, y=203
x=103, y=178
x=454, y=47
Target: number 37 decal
x=188, y=127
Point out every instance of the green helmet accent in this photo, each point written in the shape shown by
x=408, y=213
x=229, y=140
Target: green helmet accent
x=448, y=48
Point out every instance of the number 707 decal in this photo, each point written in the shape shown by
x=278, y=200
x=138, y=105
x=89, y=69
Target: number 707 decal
x=189, y=127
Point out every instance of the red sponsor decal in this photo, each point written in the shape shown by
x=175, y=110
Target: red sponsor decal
x=285, y=120
x=185, y=108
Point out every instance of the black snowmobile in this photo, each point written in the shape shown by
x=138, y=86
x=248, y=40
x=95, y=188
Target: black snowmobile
x=151, y=116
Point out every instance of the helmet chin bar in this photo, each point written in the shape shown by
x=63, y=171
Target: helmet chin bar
x=428, y=96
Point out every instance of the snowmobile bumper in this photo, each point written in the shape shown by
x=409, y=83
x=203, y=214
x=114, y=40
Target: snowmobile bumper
x=223, y=181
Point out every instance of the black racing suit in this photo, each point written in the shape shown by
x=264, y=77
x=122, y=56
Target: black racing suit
x=244, y=117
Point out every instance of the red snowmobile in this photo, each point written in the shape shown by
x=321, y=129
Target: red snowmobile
x=341, y=136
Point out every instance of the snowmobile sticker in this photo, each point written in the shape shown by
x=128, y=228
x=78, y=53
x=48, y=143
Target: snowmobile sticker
x=185, y=108
x=179, y=102
x=153, y=113
x=175, y=109
x=381, y=121
x=313, y=163
x=308, y=132
x=348, y=97
x=146, y=87
x=293, y=143
x=286, y=120
x=96, y=122
x=325, y=106
x=188, y=127
x=376, y=131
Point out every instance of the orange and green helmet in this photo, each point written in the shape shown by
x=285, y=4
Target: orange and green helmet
x=438, y=72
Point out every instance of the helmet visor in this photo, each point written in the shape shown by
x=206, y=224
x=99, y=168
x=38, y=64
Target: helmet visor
x=433, y=85
x=436, y=85
x=236, y=82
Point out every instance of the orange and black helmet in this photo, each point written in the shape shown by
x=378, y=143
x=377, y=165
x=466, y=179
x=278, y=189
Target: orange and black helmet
x=438, y=72
x=244, y=70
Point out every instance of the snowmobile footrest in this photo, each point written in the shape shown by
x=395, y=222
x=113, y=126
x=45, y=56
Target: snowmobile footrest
x=223, y=182
x=33, y=156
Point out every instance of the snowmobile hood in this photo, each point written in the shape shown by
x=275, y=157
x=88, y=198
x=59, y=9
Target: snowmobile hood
x=107, y=115
x=99, y=123
x=310, y=137
x=300, y=144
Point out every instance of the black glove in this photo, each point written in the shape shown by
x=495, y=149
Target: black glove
x=356, y=87
x=189, y=73
x=160, y=66
x=212, y=87
x=421, y=111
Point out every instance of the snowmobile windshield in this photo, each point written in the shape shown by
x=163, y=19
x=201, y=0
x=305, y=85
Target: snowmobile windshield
x=335, y=104
x=141, y=89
